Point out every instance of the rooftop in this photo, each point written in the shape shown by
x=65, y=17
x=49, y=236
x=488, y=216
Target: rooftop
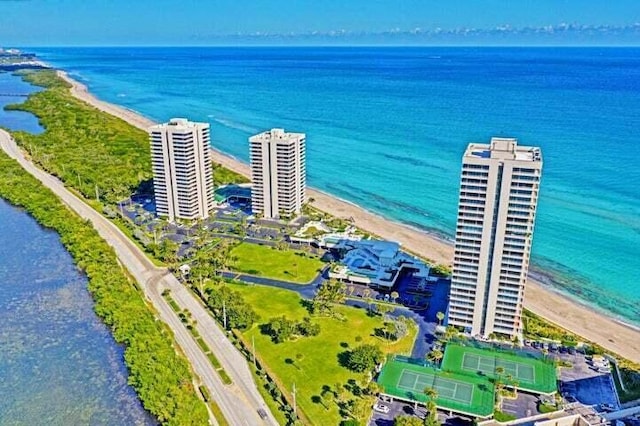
x=179, y=123
x=277, y=135
x=504, y=149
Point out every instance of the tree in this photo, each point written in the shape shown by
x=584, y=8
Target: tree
x=281, y=329
x=330, y=293
x=307, y=328
x=499, y=385
x=239, y=313
x=395, y=295
x=383, y=309
x=435, y=356
x=325, y=398
x=364, y=358
x=373, y=388
x=450, y=332
x=407, y=421
x=430, y=393
x=168, y=251
x=440, y=316
x=432, y=409
x=400, y=327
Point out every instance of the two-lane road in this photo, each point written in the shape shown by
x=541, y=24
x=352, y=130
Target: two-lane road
x=238, y=402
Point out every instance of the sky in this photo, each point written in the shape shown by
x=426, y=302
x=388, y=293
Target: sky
x=202, y=22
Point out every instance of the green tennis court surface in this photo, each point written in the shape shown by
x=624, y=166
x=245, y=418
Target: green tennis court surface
x=526, y=373
x=446, y=388
x=469, y=394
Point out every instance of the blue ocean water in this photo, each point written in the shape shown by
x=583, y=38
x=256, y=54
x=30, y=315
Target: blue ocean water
x=386, y=129
x=58, y=363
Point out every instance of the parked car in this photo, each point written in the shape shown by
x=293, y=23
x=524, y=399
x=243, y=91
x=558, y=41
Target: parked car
x=381, y=408
x=571, y=350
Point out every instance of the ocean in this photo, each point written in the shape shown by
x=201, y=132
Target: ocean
x=386, y=128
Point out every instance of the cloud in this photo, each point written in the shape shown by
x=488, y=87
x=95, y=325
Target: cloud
x=557, y=32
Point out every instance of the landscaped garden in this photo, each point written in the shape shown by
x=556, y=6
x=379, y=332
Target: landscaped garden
x=270, y=262
x=315, y=364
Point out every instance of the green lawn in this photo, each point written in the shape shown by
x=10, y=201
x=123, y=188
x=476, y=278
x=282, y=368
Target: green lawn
x=319, y=366
x=269, y=262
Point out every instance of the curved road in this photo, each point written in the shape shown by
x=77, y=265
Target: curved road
x=240, y=401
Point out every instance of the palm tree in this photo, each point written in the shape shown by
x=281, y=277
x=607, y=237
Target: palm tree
x=440, y=316
x=499, y=385
x=430, y=393
x=435, y=356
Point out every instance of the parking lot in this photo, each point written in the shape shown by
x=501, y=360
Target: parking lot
x=585, y=384
x=400, y=408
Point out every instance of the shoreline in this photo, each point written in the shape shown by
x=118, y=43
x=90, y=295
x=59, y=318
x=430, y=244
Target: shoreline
x=608, y=332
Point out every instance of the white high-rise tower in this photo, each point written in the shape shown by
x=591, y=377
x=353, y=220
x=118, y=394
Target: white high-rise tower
x=498, y=197
x=182, y=170
x=278, y=173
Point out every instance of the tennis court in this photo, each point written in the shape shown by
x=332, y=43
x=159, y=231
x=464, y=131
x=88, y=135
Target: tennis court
x=489, y=366
x=467, y=394
x=446, y=388
x=525, y=372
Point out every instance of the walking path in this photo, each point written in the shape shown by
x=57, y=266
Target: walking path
x=238, y=402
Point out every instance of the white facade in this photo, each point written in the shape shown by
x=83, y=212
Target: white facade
x=182, y=169
x=278, y=173
x=498, y=197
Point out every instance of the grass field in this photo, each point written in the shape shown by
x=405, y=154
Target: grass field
x=287, y=265
x=319, y=365
x=530, y=373
x=459, y=392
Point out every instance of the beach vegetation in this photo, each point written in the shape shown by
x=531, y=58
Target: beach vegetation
x=89, y=150
x=224, y=176
x=161, y=377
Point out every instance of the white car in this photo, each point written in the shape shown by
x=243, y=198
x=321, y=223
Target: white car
x=381, y=408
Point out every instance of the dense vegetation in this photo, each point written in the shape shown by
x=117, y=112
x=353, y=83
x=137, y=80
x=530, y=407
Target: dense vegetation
x=86, y=148
x=159, y=375
x=224, y=176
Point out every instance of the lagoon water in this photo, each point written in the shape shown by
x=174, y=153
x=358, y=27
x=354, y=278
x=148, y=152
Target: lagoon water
x=59, y=365
x=386, y=128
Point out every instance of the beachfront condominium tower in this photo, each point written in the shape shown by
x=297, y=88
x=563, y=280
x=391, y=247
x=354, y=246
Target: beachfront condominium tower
x=496, y=213
x=278, y=173
x=182, y=170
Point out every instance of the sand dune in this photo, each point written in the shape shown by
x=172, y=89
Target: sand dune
x=582, y=320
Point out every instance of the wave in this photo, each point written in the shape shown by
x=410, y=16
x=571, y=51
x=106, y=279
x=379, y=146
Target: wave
x=235, y=125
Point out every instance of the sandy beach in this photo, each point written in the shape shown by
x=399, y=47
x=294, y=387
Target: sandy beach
x=582, y=320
